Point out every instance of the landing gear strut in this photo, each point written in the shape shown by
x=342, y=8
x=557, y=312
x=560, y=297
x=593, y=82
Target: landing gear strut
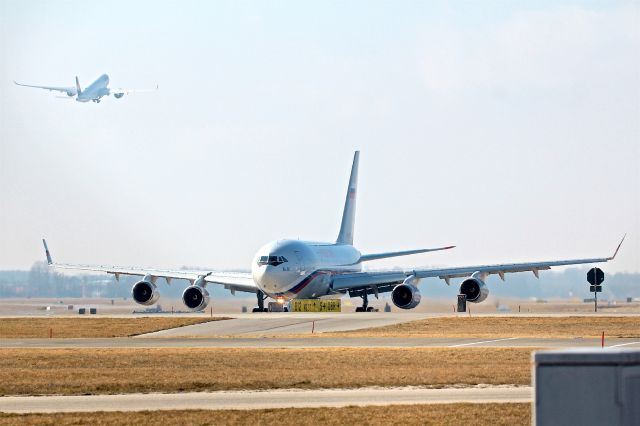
x=365, y=303
x=261, y=298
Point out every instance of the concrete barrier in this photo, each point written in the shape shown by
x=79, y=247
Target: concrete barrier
x=587, y=387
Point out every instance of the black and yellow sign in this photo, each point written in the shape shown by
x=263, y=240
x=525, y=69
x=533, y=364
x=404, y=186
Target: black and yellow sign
x=315, y=305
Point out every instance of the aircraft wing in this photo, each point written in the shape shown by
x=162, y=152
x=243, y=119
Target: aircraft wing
x=119, y=92
x=233, y=281
x=379, y=282
x=56, y=88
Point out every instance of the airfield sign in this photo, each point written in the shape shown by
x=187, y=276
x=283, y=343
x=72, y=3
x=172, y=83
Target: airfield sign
x=595, y=277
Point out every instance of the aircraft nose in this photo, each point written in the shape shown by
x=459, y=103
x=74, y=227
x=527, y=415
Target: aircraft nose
x=266, y=276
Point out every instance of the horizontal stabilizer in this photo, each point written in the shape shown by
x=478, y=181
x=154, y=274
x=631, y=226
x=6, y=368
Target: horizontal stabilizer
x=376, y=256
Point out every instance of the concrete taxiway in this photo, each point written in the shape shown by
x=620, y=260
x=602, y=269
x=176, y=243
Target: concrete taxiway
x=276, y=323
x=281, y=324
x=259, y=399
x=313, y=342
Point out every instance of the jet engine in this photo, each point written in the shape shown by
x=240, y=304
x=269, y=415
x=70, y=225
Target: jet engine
x=70, y=94
x=195, y=297
x=406, y=295
x=145, y=293
x=474, y=288
x=118, y=95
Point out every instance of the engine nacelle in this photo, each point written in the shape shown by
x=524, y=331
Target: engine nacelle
x=406, y=295
x=145, y=293
x=118, y=95
x=195, y=298
x=474, y=288
x=70, y=94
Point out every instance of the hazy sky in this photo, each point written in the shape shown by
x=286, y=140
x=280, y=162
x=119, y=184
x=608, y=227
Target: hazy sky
x=509, y=129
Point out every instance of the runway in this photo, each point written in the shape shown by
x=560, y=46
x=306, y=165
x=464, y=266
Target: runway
x=243, y=400
x=315, y=342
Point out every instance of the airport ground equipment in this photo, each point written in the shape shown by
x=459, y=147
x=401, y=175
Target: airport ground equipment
x=589, y=386
x=595, y=277
x=462, y=303
x=316, y=305
x=277, y=307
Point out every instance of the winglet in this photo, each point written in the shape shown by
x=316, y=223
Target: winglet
x=46, y=250
x=618, y=248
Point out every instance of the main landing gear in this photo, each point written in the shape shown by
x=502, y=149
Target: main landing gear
x=261, y=298
x=365, y=303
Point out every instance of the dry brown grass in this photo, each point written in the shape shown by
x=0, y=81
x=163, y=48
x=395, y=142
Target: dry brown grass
x=99, y=371
x=445, y=414
x=25, y=328
x=497, y=327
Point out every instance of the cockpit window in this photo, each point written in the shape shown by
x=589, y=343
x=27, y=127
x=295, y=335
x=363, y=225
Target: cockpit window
x=271, y=260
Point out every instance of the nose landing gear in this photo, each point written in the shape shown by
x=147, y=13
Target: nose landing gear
x=261, y=298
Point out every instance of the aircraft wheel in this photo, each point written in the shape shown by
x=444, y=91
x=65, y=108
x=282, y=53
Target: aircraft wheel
x=359, y=309
x=256, y=310
x=370, y=309
x=265, y=310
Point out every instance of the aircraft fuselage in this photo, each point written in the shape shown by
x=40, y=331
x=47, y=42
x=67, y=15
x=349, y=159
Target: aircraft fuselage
x=95, y=90
x=292, y=269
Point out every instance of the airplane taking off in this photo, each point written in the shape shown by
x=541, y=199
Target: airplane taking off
x=290, y=269
x=94, y=92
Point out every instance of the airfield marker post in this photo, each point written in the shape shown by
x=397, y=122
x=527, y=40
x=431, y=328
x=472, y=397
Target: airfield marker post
x=313, y=326
x=50, y=333
x=603, y=340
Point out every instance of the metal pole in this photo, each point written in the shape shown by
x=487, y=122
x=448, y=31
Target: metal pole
x=596, y=297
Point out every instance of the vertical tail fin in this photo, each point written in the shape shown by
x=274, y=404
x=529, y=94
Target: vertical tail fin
x=78, y=89
x=348, y=215
x=46, y=251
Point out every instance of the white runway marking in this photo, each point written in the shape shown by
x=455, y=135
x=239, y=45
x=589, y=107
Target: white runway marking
x=483, y=342
x=623, y=344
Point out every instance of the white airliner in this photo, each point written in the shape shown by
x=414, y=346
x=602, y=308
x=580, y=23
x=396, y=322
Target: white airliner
x=289, y=269
x=94, y=92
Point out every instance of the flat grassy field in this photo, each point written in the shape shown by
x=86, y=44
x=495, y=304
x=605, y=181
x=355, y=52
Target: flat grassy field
x=101, y=371
x=25, y=328
x=444, y=414
x=499, y=326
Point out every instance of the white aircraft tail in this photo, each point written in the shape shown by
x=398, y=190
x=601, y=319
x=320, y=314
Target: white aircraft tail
x=78, y=89
x=349, y=214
